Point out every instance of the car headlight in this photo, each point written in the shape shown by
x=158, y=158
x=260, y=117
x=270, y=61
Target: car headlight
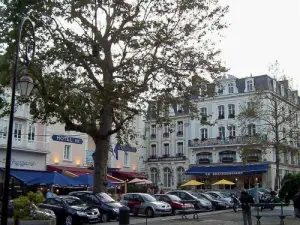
x=116, y=210
x=79, y=213
x=97, y=210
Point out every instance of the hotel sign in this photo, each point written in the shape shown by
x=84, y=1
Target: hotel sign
x=18, y=163
x=67, y=139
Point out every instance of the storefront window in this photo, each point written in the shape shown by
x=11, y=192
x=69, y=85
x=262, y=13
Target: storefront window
x=154, y=175
x=180, y=174
x=227, y=156
x=167, y=177
x=254, y=156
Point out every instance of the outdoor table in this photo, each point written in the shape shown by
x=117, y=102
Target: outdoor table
x=281, y=216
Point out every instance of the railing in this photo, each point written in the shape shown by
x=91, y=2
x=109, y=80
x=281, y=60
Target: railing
x=36, y=146
x=224, y=141
x=166, y=158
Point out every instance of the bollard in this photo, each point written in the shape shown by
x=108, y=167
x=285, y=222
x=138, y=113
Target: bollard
x=124, y=215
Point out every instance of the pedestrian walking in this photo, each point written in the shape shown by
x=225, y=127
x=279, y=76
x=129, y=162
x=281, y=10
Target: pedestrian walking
x=296, y=201
x=246, y=200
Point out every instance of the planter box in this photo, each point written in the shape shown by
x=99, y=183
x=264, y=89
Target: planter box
x=37, y=222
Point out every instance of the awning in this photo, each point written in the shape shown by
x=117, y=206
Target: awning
x=54, y=178
x=228, y=170
x=79, y=171
x=26, y=175
x=123, y=175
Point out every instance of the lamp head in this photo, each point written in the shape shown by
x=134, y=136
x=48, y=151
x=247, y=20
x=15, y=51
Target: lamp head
x=25, y=86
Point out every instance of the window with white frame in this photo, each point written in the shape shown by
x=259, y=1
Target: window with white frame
x=153, y=150
x=3, y=129
x=167, y=177
x=31, y=133
x=204, y=133
x=203, y=111
x=180, y=175
x=166, y=149
x=68, y=153
x=249, y=85
x=153, y=129
x=221, y=132
x=221, y=111
x=180, y=126
x=180, y=148
x=166, y=128
x=180, y=108
x=231, y=130
x=251, y=129
x=220, y=89
x=18, y=131
x=230, y=88
x=231, y=111
x=126, y=159
x=154, y=175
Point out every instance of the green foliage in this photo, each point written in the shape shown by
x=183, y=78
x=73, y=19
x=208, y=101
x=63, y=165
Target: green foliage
x=24, y=208
x=290, y=185
x=95, y=77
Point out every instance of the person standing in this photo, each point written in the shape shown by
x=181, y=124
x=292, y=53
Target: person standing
x=49, y=194
x=296, y=201
x=246, y=200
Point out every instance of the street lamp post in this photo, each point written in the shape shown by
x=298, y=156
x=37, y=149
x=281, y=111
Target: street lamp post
x=25, y=86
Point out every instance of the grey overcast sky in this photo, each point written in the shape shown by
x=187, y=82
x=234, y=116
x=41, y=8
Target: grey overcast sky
x=261, y=32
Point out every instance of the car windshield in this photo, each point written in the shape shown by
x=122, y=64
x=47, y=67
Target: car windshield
x=149, y=198
x=209, y=197
x=195, y=194
x=73, y=201
x=105, y=197
x=174, y=198
x=225, y=194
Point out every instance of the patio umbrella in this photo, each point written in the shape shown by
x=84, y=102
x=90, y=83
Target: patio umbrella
x=86, y=179
x=145, y=182
x=135, y=180
x=224, y=182
x=192, y=183
x=54, y=178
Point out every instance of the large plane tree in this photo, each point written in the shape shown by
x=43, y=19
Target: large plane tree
x=98, y=62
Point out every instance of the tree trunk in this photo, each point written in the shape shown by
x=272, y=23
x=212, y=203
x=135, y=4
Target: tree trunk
x=277, y=161
x=100, y=165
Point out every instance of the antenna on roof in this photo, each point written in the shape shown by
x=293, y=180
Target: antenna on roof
x=251, y=75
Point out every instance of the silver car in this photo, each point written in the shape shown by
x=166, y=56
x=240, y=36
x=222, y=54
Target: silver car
x=221, y=196
x=140, y=203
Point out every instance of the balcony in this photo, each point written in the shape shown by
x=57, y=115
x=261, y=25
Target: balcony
x=231, y=116
x=153, y=136
x=166, y=157
x=22, y=114
x=166, y=135
x=206, y=142
x=221, y=117
x=179, y=133
x=25, y=145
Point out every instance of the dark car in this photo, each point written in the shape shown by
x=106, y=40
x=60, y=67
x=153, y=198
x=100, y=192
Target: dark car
x=70, y=210
x=199, y=202
x=216, y=203
x=175, y=202
x=107, y=206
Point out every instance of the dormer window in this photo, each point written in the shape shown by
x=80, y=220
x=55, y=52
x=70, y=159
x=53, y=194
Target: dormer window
x=249, y=85
x=282, y=90
x=220, y=89
x=230, y=88
x=180, y=108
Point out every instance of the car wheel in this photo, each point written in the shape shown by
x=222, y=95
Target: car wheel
x=69, y=220
x=104, y=218
x=149, y=212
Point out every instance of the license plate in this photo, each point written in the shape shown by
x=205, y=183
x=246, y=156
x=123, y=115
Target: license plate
x=93, y=217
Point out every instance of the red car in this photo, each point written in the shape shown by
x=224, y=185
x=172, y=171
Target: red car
x=175, y=202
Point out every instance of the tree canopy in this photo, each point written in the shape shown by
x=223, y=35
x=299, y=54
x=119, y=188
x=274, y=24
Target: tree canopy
x=99, y=62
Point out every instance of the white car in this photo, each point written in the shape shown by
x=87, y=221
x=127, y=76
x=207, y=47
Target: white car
x=140, y=203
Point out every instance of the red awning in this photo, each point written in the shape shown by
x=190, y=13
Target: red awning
x=80, y=171
x=123, y=175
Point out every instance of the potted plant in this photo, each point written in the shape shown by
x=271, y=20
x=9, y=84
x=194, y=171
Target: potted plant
x=218, y=138
x=196, y=139
x=203, y=139
x=27, y=213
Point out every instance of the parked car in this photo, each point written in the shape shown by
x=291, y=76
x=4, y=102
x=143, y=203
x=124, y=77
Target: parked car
x=47, y=213
x=70, y=210
x=175, y=202
x=198, y=201
x=216, y=203
x=218, y=195
x=140, y=203
x=107, y=206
